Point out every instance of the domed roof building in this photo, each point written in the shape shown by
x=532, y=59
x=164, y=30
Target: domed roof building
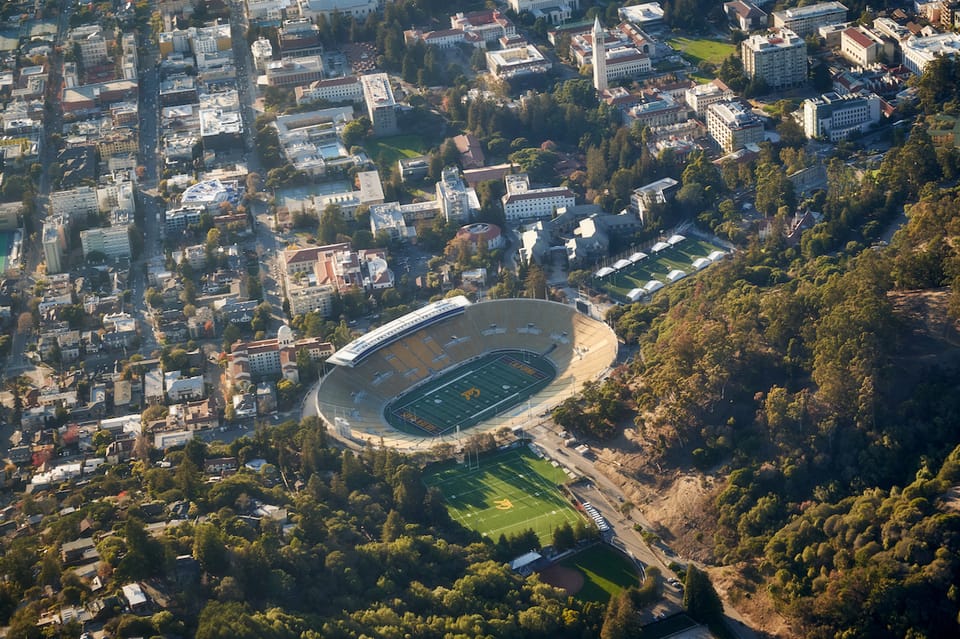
x=482, y=231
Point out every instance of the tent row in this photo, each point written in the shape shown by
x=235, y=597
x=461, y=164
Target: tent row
x=647, y=289
x=621, y=264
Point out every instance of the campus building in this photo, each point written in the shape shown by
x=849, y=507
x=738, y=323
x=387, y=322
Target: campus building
x=522, y=203
x=779, y=58
x=700, y=96
x=273, y=357
x=381, y=106
x=732, y=125
x=860, y=46
x=458, y=202
x=918, y=52
x=837, y=116
x=806, y=20
x=517, y=61
x=315, y=275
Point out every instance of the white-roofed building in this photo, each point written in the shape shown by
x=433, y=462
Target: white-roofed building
x=359, y=9
x=836, y=117
x=918, y=52
x=517, y=61
x=646, y=14
x=807, y=19
x=523, y=203
x=381, y=105
x=733, y=125
x=388, y=218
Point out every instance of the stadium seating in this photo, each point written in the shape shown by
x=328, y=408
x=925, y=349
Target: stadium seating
x=580, y=348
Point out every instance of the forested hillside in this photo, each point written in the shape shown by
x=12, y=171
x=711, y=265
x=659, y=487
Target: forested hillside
x=820, y=379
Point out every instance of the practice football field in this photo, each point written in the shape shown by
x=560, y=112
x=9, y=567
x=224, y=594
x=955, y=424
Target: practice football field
x=471, y=393
x=510, y=492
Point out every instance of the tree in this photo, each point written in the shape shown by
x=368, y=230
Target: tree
x=355, y=131
x=535, y=284
x=253, y=183
x=700, y=599
x=331, y=224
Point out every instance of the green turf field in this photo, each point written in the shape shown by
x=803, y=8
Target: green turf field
x=386, y=151
x=655, y=267
x=606, y=572
x=700, y=49
x=6, y=242
x=470, y=393
x=509, y=493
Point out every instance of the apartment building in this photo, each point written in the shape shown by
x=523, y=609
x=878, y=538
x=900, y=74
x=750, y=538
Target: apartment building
x=113, y=241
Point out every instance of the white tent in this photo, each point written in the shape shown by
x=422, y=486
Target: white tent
x=675, y=239
x=716, y=256
x=636, y=294
x=653, y=285
x=701, y=262
x=659, y=246
x=619, y=264
x=676, y=274
x=637, y=257
x=606, y=270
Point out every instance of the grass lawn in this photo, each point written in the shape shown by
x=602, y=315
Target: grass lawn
x=510, y=492
x=386, y=151
x=700, y=49
x=606, y=572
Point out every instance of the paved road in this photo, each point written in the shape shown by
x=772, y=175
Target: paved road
x=32, y=246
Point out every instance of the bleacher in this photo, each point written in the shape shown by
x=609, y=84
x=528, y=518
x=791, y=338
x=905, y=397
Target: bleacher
x=580, y=348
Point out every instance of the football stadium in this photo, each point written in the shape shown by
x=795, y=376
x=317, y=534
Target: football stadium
x=452, y=365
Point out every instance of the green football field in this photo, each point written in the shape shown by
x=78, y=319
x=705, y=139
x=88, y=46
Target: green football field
x=509, y=493
x=471, y=393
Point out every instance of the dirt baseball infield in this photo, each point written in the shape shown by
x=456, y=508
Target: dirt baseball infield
x=562, y=577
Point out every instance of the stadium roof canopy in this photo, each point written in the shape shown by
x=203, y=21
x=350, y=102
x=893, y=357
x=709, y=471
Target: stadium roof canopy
x=606, y=270
x=636, y=294
x=675, y=239
x=620, y=264
x=637, y=257
x=355, y=352
x=659, y=246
